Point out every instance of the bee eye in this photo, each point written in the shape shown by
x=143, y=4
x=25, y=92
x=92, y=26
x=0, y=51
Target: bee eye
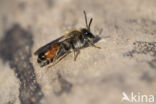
x=86, y=33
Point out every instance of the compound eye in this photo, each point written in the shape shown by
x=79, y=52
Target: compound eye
x=86, y=33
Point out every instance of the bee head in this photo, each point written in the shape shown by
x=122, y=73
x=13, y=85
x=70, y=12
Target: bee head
x=87, y=34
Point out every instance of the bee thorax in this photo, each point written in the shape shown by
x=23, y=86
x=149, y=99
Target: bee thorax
x=79, y=44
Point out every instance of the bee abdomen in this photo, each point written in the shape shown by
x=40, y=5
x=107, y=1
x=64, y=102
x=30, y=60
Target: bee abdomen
x=52, y=52
x=47, y=57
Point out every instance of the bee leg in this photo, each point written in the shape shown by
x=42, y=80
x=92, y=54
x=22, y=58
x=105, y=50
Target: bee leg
x=93, y=45
x=56, y=60
x=75, y=54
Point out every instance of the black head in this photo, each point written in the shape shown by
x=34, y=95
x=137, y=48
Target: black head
x=87, y=34
x=86, y=31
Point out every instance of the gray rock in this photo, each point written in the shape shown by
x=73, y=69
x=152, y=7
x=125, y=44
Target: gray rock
x=126, y=62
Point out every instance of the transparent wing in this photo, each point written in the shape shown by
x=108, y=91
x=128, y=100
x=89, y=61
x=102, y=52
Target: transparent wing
x=47, y=46
x=70, y=34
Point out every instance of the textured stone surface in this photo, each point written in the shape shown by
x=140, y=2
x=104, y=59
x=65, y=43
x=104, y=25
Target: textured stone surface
x=126, y=62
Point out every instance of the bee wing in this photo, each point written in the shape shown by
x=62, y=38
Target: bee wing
x=47, y=46
x=58, y=40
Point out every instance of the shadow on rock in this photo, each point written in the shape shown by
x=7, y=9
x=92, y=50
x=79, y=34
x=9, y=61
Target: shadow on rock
x=15, y=49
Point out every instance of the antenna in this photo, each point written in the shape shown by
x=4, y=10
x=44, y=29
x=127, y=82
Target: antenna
x=90, y=23
x=87, y=26
x=85, y=18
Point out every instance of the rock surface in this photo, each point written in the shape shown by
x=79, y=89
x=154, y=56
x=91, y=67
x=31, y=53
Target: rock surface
x=126, y=62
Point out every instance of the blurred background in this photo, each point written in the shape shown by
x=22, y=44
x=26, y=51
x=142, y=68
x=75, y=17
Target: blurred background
x=126, y=63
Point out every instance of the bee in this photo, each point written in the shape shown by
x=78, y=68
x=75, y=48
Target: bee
x=71, y=42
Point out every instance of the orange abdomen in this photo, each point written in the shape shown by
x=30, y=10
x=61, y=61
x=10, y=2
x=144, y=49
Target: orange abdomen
x=52, y=52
